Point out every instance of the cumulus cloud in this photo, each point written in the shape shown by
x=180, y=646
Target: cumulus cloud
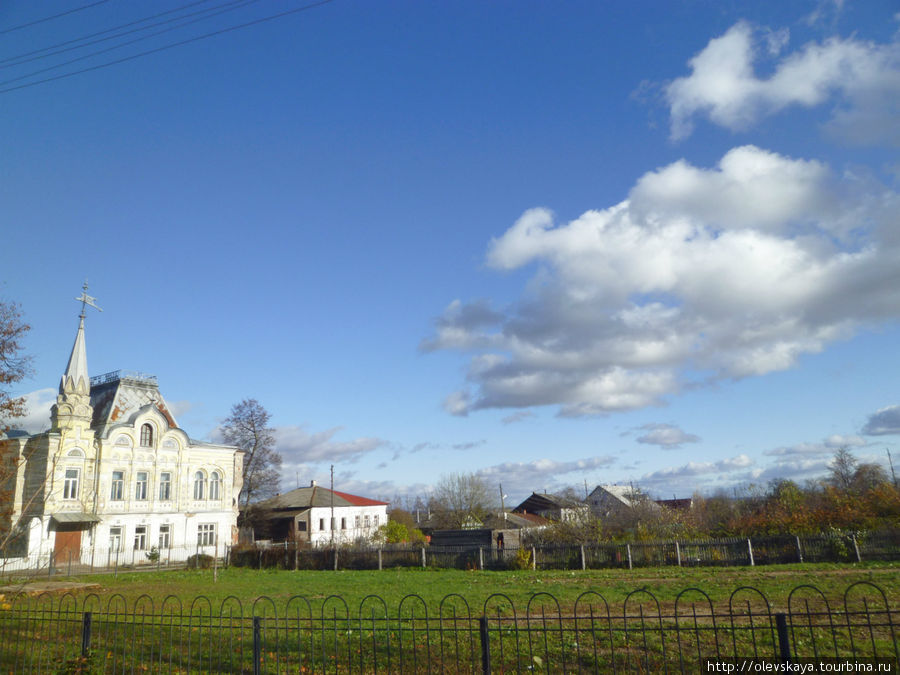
x=666, y=436
x=826, y=448
x=862, y=79
x=884, y=422
x=543, y=474
x=37, y=411
x=698, y=469
x=701, y=275
x=296, y=445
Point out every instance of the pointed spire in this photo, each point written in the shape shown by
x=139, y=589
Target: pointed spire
x=76, y=375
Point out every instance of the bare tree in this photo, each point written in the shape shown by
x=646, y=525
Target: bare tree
x=14, y=366
x=842, y=469
x=459, y=498
x=248, y=428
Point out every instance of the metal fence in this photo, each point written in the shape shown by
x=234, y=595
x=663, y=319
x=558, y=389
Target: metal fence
x=101, y=560
x=289, y=555
x=92, y=634
x=711, y=552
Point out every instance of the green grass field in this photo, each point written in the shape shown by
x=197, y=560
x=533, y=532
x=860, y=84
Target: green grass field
x=775, y=582
x=136, y=627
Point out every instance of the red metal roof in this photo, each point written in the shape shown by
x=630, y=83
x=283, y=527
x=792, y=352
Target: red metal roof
x=359, y=501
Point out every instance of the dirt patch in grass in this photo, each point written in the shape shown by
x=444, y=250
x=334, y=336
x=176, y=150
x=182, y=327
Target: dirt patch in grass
x=55, y=587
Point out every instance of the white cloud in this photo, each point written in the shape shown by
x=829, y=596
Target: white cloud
x=517, y=416
x=666, y=436
x=862, y=78
x=883, y=422
x=37, y=411
x=826, y=448
x=701, y=275
x=523, y=478
x=296, y=444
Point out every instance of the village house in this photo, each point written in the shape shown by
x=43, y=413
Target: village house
x=317, y=516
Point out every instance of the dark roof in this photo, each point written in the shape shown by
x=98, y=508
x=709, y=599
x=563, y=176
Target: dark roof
x=676, y=504
x=306, y=497
x=541, y=501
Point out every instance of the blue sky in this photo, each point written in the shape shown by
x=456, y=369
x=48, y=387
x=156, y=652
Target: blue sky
x=553, y=243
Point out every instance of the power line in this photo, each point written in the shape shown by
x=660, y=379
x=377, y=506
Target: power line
x=236, y=4
x=197, y=38
x=21, y=57
x=50, y=18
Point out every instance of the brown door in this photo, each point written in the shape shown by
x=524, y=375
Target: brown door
x=68, y=545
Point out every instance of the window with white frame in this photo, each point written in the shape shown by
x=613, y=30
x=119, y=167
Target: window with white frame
x=165, y=486
x=70, y=486
x=368, y=522
x=376, y=520
x=165, y=539
x=343, y=523
x=140, y=485
x=198, y=485
x=140, y=537
x=321, y=523
x=206, y=534
x=115, y=539
x=356, y=522
x=215, y=482
x=117, y=490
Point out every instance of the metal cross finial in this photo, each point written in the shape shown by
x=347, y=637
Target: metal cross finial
x=86, y=300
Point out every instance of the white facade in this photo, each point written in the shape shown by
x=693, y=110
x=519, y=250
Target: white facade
x=115, y=477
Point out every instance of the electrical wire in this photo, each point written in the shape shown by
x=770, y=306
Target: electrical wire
x=21, y=58
x=50, y=18
x=234, y=4
x=197, y=38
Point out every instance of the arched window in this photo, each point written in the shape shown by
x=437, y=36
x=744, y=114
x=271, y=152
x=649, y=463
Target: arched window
x=214, y=482
x=198, y=485
x=146, y=436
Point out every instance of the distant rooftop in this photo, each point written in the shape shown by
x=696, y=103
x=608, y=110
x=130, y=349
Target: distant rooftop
x=123, y=375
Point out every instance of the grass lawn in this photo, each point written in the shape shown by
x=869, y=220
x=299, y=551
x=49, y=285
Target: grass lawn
x=776, y=582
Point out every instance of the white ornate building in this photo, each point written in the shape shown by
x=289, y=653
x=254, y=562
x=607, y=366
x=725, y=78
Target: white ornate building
x=115, y=476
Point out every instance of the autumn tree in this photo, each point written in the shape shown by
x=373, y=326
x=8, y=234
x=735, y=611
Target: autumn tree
x=247, y=427
x=14, y=366
x=459, y=498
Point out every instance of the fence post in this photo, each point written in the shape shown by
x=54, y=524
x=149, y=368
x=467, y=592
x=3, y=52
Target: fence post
x=583, y=561
x=480, y=558
x=423, y=557
x=678, y=552
x=296, y=555
x=784, y=646
x=86, y=633
x=750, y=551
x=485, y=645
x=799, y=550
x=533, y=558
x=116, y=574
x=628, y=548
x=379, y=560
x=257, y=645
x=335, y=560
x=856, y=548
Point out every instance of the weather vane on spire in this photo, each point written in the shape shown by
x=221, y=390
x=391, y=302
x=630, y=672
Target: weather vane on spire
x=86, y=300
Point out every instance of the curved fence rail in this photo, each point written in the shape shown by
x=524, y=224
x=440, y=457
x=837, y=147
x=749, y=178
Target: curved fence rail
x=90, y=633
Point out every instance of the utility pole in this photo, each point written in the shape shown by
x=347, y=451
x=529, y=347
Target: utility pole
x=891, y=462
x=332, y=506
